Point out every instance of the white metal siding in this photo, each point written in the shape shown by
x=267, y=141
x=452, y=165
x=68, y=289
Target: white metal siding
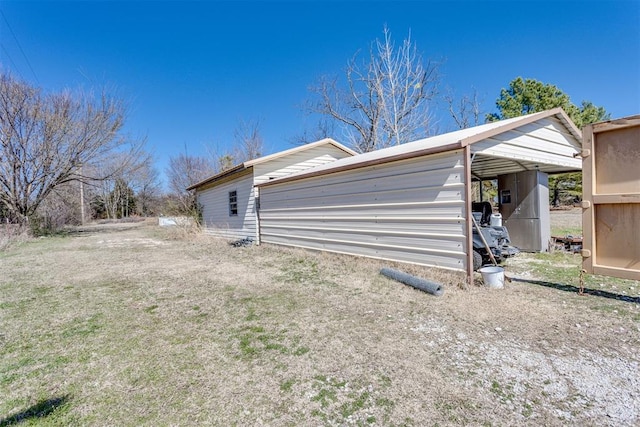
x=546, y=141
x=296, y=162
x=215, y=209
x=409, y=211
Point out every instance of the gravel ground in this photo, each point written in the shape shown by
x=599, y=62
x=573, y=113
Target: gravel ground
x=538, y=383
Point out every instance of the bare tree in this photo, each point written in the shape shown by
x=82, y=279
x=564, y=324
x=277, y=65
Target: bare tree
x=146, y=184
x=248, y=142
x=183, y=171
x=220, y=159
x=324, y=128
x=116, y=195
x=386, y=98
x=48, y=140
x=465, y=111
x=60, y=208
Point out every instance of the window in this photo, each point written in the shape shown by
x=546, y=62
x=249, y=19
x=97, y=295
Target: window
x=233, y=203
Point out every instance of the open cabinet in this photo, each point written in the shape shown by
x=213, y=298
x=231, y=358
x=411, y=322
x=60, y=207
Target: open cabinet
x=611, y=199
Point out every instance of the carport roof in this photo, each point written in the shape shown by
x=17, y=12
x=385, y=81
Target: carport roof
x=489, y=144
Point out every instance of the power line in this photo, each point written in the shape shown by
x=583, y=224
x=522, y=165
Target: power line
x=11, y=60
x=19, y=46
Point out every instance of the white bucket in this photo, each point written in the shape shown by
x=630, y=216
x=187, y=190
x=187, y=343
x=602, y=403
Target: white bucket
x=496, y=220
x=493, y=277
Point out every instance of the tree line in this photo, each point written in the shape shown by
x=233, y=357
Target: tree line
x=64, y=158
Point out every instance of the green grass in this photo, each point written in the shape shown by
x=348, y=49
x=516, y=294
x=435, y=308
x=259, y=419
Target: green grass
x=254, y=341
x=79, y=328
x=561, y=270
x=340, y=399
x=564, y=268
x=304, y=271
x=564, y=231
x=44, y=412
x=287, y=385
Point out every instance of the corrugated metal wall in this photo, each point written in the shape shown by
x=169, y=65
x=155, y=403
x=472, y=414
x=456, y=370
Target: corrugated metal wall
x=411, y=211
x=215, y=209
x=215, y=200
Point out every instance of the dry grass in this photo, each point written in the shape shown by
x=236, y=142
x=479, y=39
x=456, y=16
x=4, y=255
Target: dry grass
x=566, y=221
x=11, y=235
x=138, y=325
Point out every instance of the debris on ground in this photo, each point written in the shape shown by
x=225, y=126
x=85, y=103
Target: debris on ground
x=424, y=285
x=247, y=241
x=568, y=243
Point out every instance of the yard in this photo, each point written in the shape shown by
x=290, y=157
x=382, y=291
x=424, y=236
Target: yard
x=132, y=324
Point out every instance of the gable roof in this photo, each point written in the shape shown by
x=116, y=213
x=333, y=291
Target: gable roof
x=250, y=163
x=437, y=144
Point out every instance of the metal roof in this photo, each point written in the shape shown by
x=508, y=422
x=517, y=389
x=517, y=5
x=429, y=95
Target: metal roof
x=487, y=163
x=245, y=165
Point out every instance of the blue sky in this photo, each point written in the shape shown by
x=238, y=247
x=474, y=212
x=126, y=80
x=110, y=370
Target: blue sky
x=191, y=71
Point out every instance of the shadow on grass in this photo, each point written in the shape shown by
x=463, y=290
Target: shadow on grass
x=575, y=289
x=42, y=409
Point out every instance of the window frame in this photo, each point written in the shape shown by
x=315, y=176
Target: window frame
x=233, y=203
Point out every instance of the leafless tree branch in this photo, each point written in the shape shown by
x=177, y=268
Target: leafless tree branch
x=464, y=111
x=47, y=139
x=386, y=98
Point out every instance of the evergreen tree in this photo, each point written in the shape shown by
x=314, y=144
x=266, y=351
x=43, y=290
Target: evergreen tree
x=526, y=96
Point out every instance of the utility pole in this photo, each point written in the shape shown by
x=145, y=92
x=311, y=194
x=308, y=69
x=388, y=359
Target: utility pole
x=81, y=198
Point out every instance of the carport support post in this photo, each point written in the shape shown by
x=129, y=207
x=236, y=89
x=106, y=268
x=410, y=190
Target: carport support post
x=467, y=197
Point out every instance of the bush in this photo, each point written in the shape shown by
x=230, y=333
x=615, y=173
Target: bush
x=11, y=234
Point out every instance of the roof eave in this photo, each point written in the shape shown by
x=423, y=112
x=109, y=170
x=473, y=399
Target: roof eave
x=525, y=120
x=304, y=147
x=218, y=176
x=251, y=163
x=403, y=156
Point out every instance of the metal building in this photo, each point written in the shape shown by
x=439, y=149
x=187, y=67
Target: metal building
x=412, y=202
x=228, y=199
